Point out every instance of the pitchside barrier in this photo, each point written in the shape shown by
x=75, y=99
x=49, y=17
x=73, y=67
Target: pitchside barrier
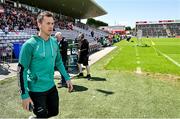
x=73, y=54
x=10, y=46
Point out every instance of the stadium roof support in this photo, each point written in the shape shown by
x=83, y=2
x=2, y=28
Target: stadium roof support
x=79, y=9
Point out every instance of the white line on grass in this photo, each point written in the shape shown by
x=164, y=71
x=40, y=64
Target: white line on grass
x=137, y=54
x=169, y=58
x=138, y=62
x=165, y=55
x=138, y=70
x=153, y=44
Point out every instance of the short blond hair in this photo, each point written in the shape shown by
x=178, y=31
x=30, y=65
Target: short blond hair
x=40, y=17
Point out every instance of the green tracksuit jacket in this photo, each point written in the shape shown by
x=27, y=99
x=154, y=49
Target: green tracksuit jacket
x=36, y=65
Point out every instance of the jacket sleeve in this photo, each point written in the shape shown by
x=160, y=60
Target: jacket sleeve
x=87, y=45
x=60, y=66
x=23, y=66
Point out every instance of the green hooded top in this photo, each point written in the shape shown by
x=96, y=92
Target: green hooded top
x=36, y=65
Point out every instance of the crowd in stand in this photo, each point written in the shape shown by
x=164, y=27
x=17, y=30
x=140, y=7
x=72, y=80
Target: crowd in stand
x=13, y=19
x=162, y=30
x=81, y=25
x=16, y=19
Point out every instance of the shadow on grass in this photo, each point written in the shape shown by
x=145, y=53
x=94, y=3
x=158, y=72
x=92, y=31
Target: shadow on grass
x=4, y=71
x=92, y=78
x=79, y=88
x=105, y=92
x=98, y=79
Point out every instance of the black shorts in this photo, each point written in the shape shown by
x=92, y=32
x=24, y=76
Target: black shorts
x=83, y=60
x=46, y=104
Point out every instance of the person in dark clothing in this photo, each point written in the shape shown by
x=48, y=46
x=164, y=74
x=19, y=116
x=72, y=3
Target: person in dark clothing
x=83, y=56
x=63, y=50
x=63, y=45
x=128, y=38
x=92, y=33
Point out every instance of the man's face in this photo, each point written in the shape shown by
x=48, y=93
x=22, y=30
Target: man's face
x=47, y=25
x=80, y=38
x=59, y=37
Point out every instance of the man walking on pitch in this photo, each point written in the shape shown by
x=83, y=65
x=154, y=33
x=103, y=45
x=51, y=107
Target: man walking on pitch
x=38, y=57
x=63, y=46
x=83, y=56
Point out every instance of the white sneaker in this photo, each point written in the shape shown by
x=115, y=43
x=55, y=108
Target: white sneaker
x=31, y=117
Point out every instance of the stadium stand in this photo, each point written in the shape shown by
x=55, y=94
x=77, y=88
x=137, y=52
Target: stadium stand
x=19, y=24
x=162, y=28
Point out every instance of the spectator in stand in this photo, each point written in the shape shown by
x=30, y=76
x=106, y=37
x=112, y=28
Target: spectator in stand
x=92, y=33
x=6, y=30
x=70, y=26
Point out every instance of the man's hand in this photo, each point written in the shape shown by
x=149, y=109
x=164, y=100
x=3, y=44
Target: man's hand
x=69, y=85
x=26, y=102
x=78, y=52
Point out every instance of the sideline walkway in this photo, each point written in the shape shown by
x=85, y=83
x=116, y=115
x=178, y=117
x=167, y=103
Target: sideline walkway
x=93, y=58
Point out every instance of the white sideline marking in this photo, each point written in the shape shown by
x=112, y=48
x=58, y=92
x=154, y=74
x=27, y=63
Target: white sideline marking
x=152, y=42
x=138, y=58
x=154, y=47
x=169, y=58
x=137, y=54
x=138, y=70
x=138, y=62
x=166, y=56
